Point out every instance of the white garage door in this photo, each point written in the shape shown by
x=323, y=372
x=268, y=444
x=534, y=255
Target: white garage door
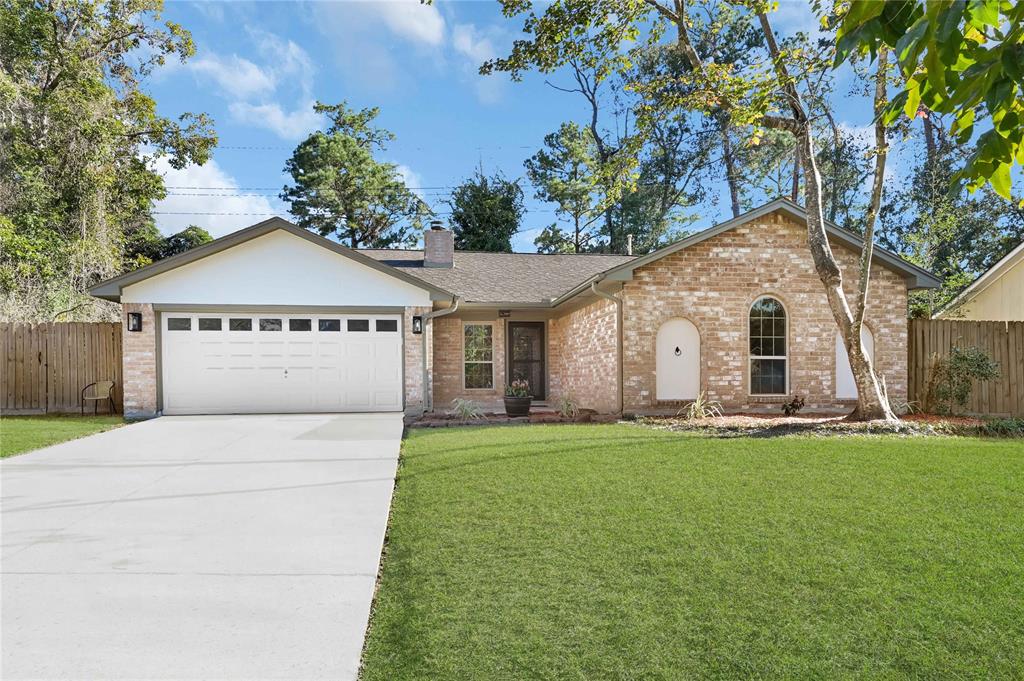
x=236, y=363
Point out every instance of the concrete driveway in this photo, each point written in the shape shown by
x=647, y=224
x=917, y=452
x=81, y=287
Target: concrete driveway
x=197, y=547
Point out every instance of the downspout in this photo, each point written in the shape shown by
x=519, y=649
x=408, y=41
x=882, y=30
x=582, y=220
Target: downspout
x=428, y=393
x=618, y=324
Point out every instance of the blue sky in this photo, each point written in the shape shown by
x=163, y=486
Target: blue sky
x=260, y=65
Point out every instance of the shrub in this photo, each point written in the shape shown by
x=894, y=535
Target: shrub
x=568, y=408
x=793, y=406
x=701, y=408
x=1009, y=427
x=949, y=378
x=466, y=410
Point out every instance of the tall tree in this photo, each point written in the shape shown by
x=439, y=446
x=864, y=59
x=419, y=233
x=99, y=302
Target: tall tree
x=77, y=137
x=567, y=172
x=956, y=235
x=340, y=189
x=769, y=94
x=486, y=213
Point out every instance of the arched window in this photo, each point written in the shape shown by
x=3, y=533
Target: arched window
x=768, y=347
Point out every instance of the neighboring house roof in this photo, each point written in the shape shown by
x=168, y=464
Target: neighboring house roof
x=916, y=277
x=500, y=278
x=111, y=288
x=990, y=276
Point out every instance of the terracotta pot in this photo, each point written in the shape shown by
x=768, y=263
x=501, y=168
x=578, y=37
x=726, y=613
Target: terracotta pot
x=518, y=406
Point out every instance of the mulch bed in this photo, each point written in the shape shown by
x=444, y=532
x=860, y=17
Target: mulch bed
x=445, y=420
x=766, y=425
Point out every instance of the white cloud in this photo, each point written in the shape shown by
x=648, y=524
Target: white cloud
x=467, y=40
x=226, y=200
x=289, y=125
x=256, y=90
x=235, y=75
x=410, y=19
x=412, y=179
x=289, y=62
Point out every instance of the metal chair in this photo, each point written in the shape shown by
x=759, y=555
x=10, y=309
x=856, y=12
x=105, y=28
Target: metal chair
x=101, y=390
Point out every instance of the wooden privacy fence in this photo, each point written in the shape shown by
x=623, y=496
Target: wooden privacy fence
x=1002, y=341
x=43, y=367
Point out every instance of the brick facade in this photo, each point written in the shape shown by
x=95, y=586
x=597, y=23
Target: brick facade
x=414, y=361
x=448, y=363
x=713, y=284
x=583, y=357
x=139, y=363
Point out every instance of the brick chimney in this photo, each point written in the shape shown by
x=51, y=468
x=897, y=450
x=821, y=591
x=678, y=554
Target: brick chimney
x=438, y=246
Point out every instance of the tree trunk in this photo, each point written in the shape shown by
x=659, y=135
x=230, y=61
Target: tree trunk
x=871, y=403
x=730, y=168
x=795, y=194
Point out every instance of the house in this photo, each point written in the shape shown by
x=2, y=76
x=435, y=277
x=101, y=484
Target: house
x=276, y=319
x=995, y=296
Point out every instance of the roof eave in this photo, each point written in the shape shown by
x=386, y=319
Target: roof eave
x=915, y=276
x=111, y=288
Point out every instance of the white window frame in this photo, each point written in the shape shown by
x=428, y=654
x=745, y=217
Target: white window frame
x=491, y=361
x=751, y=357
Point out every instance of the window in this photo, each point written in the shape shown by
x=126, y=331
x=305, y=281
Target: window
x=209, y=323
x=240, y=324
x=767, y=347
x=478, y=356
x=359, y=325
x=179, y=323
x=388, y=325
x=329, y=325
x=270, y=325
x=300, y=325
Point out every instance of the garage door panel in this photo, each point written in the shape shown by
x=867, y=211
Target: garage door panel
x=234, y=367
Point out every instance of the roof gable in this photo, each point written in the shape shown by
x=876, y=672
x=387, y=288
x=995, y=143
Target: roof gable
x=1012, y=259
x=916, y=277
x=111, y=289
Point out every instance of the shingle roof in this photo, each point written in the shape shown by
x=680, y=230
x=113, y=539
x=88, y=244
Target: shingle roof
x=503, y=277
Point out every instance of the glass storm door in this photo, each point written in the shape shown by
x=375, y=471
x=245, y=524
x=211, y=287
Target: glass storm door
x=526, y=355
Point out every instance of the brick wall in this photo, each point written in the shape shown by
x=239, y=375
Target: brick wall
x=713, y=284
x=582, y=357
x=414, y=361
x=139, y=357
x=447, y=369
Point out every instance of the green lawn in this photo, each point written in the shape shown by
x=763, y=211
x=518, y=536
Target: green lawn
x=617, y=552
x=20, y=434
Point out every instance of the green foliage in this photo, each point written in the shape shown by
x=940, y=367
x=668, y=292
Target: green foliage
x=467, y=410
x=340, y=189
x=701, y=408
x=960, y=58
x=567, y=172
x=1003, y=427
x=147, y=245
x=77, y=139
x=958, y=236
x=568, y=407
x=486, y=213
x=951, y=377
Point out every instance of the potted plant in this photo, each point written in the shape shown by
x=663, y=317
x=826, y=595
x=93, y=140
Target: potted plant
x=517, y=398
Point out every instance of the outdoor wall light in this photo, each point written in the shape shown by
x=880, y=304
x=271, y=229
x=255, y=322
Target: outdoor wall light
x=417, y=324
x=135, y=321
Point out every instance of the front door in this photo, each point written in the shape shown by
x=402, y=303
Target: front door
x=526, y=355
